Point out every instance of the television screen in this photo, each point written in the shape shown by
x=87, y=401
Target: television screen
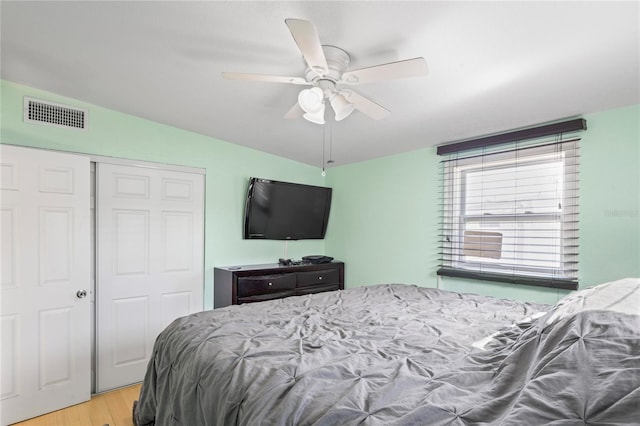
x=286, y=211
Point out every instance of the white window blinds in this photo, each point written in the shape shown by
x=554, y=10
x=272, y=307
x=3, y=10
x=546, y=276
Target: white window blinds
x=510, y=212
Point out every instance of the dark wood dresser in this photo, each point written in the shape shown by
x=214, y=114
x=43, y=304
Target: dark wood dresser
x=233, y=285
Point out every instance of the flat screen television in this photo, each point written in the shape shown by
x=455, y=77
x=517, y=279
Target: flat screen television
x=285, y=211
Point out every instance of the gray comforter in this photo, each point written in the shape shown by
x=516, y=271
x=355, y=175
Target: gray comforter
x=393, y=354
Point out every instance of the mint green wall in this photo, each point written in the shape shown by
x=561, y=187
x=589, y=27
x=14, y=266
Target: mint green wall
x=384, y=219
x=385, y=214
x=228, y=168
x=610, y=196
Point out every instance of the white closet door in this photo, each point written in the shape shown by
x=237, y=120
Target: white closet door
x=150, y=260
x=45, y=264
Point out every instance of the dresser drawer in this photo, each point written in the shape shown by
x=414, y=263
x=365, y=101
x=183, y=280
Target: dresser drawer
x=265, y=296
x=318, y=288
x=252, y=286
x=326, y=276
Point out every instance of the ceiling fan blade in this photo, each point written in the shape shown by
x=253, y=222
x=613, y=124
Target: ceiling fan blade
x=266, y=78
x=294, y=112
x=393, y=70
x=364, y=105
x=306, y=37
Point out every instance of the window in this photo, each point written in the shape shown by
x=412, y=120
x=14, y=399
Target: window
x=510, y=213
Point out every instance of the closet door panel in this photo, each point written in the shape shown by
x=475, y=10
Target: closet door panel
x=150, y=260
x=45, y=233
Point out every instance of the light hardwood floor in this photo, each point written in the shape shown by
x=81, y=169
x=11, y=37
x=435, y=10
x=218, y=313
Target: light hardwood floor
x=110, y=408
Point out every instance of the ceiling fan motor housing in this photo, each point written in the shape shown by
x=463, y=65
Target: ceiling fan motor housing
x=338, y=61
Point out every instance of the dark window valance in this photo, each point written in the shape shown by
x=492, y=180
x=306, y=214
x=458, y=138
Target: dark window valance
x=517, y=135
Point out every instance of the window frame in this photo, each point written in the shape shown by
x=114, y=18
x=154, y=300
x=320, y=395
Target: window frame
x=457, y=266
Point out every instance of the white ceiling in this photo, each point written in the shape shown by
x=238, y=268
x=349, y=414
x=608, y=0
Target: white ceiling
x=493, y=66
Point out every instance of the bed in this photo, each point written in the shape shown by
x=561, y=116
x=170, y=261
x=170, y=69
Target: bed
x=398, y=354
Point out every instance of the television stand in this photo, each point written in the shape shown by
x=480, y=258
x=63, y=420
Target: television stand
x=234, y=285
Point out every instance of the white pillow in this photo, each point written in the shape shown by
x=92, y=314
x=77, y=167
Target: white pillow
x=618, y=296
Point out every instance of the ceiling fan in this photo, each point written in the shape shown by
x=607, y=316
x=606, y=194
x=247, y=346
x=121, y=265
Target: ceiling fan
x=327, y=73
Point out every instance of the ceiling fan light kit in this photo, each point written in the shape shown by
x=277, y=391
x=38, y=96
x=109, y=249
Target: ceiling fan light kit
x=340, y=106
x=326, y=70
x=316, y=117
x=311, y=100
x=312, y=103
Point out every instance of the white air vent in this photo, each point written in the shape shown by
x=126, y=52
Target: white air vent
x=52, y=114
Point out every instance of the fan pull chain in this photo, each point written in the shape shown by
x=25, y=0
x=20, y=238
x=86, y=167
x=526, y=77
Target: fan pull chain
x=324, y=173
x=330, y=161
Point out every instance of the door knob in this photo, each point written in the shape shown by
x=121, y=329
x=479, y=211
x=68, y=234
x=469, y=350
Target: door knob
x=81, y=294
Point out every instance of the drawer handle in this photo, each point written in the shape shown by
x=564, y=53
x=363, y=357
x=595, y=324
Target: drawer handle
x=319, y=278
x=270, y=283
